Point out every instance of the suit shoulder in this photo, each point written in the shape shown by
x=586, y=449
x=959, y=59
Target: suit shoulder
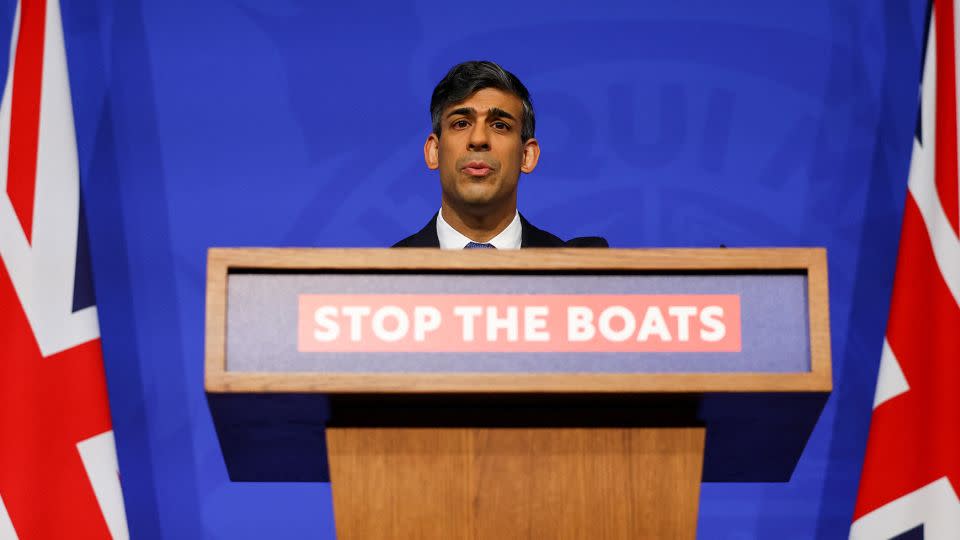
x=587, y=242
x=425, y=237
x=534, y=237
x=409, y=241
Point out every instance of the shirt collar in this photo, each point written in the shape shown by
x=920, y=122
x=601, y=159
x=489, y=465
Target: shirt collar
x=450, y=238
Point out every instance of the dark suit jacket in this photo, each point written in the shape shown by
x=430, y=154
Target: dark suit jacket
x=531, y=237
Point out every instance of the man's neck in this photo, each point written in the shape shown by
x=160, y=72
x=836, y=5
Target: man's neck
x=478, y=227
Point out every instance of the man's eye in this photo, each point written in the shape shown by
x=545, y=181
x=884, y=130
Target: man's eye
x=501, y=125
x=460, y=124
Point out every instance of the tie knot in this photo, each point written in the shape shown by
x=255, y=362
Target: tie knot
x=478, y=245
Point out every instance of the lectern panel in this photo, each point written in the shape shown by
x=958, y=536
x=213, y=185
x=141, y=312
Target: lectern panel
x=521, y=321
x=517, y=323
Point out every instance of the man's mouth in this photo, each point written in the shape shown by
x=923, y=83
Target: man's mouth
x=477, y=168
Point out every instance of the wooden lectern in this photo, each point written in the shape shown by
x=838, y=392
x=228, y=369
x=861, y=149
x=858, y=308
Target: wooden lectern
x=551, y=393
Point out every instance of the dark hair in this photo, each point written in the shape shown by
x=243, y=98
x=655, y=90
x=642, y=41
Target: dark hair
x=466, y=78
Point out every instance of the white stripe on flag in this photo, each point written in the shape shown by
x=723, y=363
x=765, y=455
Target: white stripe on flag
x=890, y=381
x=922, y=183
x=100, y=461
x=935, y=506
x=5, y=104
x=946, y=246
x=7, y=532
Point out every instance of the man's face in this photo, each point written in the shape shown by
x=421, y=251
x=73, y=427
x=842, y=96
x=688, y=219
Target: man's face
x=479, y=152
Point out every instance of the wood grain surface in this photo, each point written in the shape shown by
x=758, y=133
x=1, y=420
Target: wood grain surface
x=506, y=483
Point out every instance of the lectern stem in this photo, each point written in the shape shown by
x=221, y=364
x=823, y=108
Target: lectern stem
x=506, y=482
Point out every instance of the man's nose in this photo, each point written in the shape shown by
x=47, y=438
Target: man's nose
x=479, y=138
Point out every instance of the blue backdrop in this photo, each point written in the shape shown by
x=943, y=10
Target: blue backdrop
x=296, y=123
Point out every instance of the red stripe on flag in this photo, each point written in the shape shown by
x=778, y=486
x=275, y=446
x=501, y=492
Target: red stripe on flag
x=914, y=438
x=946, y=145
x=50, y=404
x=25, y=112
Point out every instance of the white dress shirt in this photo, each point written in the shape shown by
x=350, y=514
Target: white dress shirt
x=451, y=238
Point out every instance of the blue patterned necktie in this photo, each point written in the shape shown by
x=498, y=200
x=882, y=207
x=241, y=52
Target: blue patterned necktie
x=477, y=245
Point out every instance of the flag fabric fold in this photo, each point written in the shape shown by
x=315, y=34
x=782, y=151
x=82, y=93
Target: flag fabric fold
x=58, y=467
x=911, y=473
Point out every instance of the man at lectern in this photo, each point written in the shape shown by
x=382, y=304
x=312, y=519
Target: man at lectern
x=482, y=139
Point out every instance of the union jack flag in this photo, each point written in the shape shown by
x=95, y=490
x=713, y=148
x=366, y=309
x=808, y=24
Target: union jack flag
x=911, y=473
x=58, y=465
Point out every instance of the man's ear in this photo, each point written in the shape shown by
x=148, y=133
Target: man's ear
x=431, y=152
x=531, y=155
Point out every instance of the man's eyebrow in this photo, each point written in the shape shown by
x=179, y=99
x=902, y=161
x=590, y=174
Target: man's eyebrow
x=466, y=111
x=493, y=112
x=496, y=112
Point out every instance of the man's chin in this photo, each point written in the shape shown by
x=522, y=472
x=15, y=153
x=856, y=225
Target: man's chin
x=479, y=198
